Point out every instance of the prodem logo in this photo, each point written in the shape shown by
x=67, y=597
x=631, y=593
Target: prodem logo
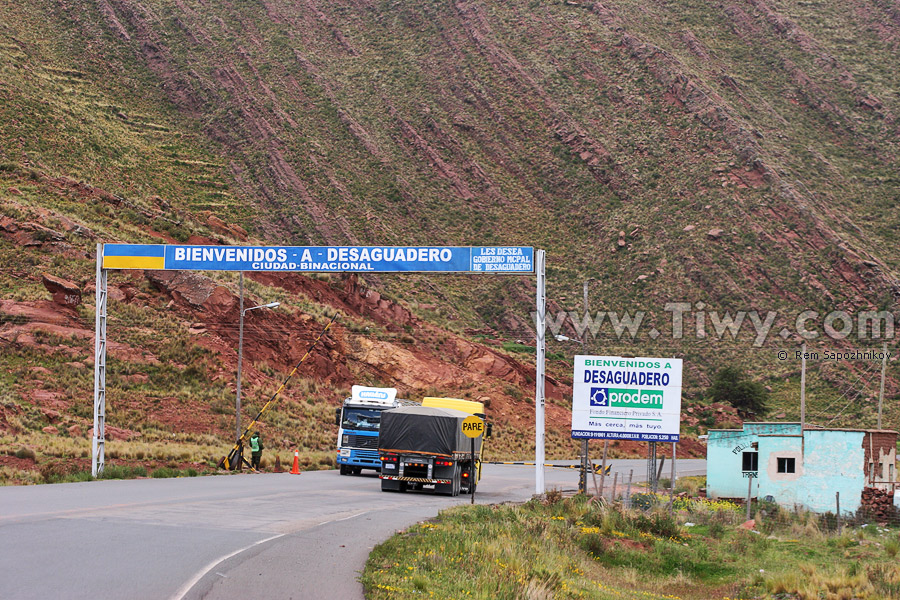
x=621, y=398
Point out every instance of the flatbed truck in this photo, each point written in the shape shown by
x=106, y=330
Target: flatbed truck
x=424, y=448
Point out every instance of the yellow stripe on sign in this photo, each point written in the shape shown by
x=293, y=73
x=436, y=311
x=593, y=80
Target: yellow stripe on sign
x=134, y=262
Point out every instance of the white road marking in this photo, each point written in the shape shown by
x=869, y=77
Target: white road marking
x=183, y=590
x=344, y=519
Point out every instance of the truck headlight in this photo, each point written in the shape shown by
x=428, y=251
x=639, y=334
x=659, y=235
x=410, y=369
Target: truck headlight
x=345, y=452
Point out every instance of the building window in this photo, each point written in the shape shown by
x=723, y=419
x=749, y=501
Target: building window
x=751, y=461
x=786, y=465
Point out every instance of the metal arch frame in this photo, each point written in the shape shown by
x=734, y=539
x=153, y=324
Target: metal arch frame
x=98, y=454
x=98, y=450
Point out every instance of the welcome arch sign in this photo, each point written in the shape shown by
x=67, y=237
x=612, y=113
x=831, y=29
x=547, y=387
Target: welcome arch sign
x=510, y=260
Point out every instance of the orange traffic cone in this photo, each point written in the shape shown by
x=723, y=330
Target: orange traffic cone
x=295, y=470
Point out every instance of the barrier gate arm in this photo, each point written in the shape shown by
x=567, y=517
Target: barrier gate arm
x=230, y=461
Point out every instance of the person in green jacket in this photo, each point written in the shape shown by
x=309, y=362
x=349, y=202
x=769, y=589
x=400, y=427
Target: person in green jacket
x=256, y=448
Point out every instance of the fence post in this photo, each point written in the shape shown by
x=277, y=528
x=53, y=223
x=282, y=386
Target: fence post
x=628, y=493
x=603, y=468
x=615, y=483
x=598, y=492
x=837, y=501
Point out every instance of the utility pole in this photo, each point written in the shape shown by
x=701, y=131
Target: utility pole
x=237, y=399
x=881, y=389
x=585, y=460
x=803, y=388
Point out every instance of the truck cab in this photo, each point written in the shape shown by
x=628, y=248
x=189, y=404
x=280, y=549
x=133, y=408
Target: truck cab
x=358, y=421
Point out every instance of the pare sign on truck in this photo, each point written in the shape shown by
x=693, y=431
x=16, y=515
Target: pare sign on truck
x=627, y=398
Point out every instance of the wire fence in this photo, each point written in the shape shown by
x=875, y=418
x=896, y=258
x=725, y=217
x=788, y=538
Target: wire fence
x=870, y=507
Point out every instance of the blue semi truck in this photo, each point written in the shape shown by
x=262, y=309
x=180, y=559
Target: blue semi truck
x=358, y=421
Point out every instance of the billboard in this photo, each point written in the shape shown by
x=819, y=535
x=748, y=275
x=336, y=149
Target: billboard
x=627, y=398
x=321, y=259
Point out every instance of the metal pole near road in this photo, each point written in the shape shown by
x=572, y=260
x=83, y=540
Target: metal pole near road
x=472, y=473
x=672, y=481
x=237, y=400
x=585, y=460
x=98, y=452
x=881, y=390
x=803, y=388
x=541, y=305
x=749, y=494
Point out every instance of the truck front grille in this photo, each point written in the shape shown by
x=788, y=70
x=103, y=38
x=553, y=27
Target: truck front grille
x=369, y=455
x=363, y=441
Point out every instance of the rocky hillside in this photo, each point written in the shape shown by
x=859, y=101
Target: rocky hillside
x=741, y=154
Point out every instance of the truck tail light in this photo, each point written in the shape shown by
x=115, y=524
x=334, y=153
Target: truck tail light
x=443, y=463
x=389, y=457
x=465, y=474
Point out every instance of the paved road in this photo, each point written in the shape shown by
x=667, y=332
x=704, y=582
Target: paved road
x=277, y=536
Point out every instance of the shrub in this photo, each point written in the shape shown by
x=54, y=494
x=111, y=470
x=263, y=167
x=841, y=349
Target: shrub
x=122, y=472
x=24, y=452
x=643, y=501
x=165, y=472
x=731, y=385
x=658, y=523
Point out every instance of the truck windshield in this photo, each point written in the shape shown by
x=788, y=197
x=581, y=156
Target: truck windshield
x=365, y=419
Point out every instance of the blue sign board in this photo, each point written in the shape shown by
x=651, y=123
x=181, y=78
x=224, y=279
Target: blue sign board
x=327, y=259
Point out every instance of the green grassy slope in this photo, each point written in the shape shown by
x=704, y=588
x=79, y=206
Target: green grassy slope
x=614, y=134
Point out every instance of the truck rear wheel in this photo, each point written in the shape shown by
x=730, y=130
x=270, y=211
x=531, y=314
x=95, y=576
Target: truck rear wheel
x=467, y=483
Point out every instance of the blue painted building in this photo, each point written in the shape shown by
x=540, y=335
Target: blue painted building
x=800, y=467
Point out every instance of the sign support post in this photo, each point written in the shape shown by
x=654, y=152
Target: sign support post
x=472, y=474
x=98, y=441
x=473, y=428
x=541, y=301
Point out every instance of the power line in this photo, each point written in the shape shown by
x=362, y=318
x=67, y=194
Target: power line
x=845, y=406
x=842, y=396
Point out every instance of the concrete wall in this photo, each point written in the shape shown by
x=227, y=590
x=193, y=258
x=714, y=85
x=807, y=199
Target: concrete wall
x=724, y=449
x=724, y=457
x=834, y=462
x=826, y=461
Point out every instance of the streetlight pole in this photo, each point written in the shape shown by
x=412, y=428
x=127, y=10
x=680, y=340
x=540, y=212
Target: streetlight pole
x=585, y=460
x=243, y=311
x=237, y=402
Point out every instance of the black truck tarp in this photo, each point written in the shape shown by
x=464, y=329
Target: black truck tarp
x=424, y=429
